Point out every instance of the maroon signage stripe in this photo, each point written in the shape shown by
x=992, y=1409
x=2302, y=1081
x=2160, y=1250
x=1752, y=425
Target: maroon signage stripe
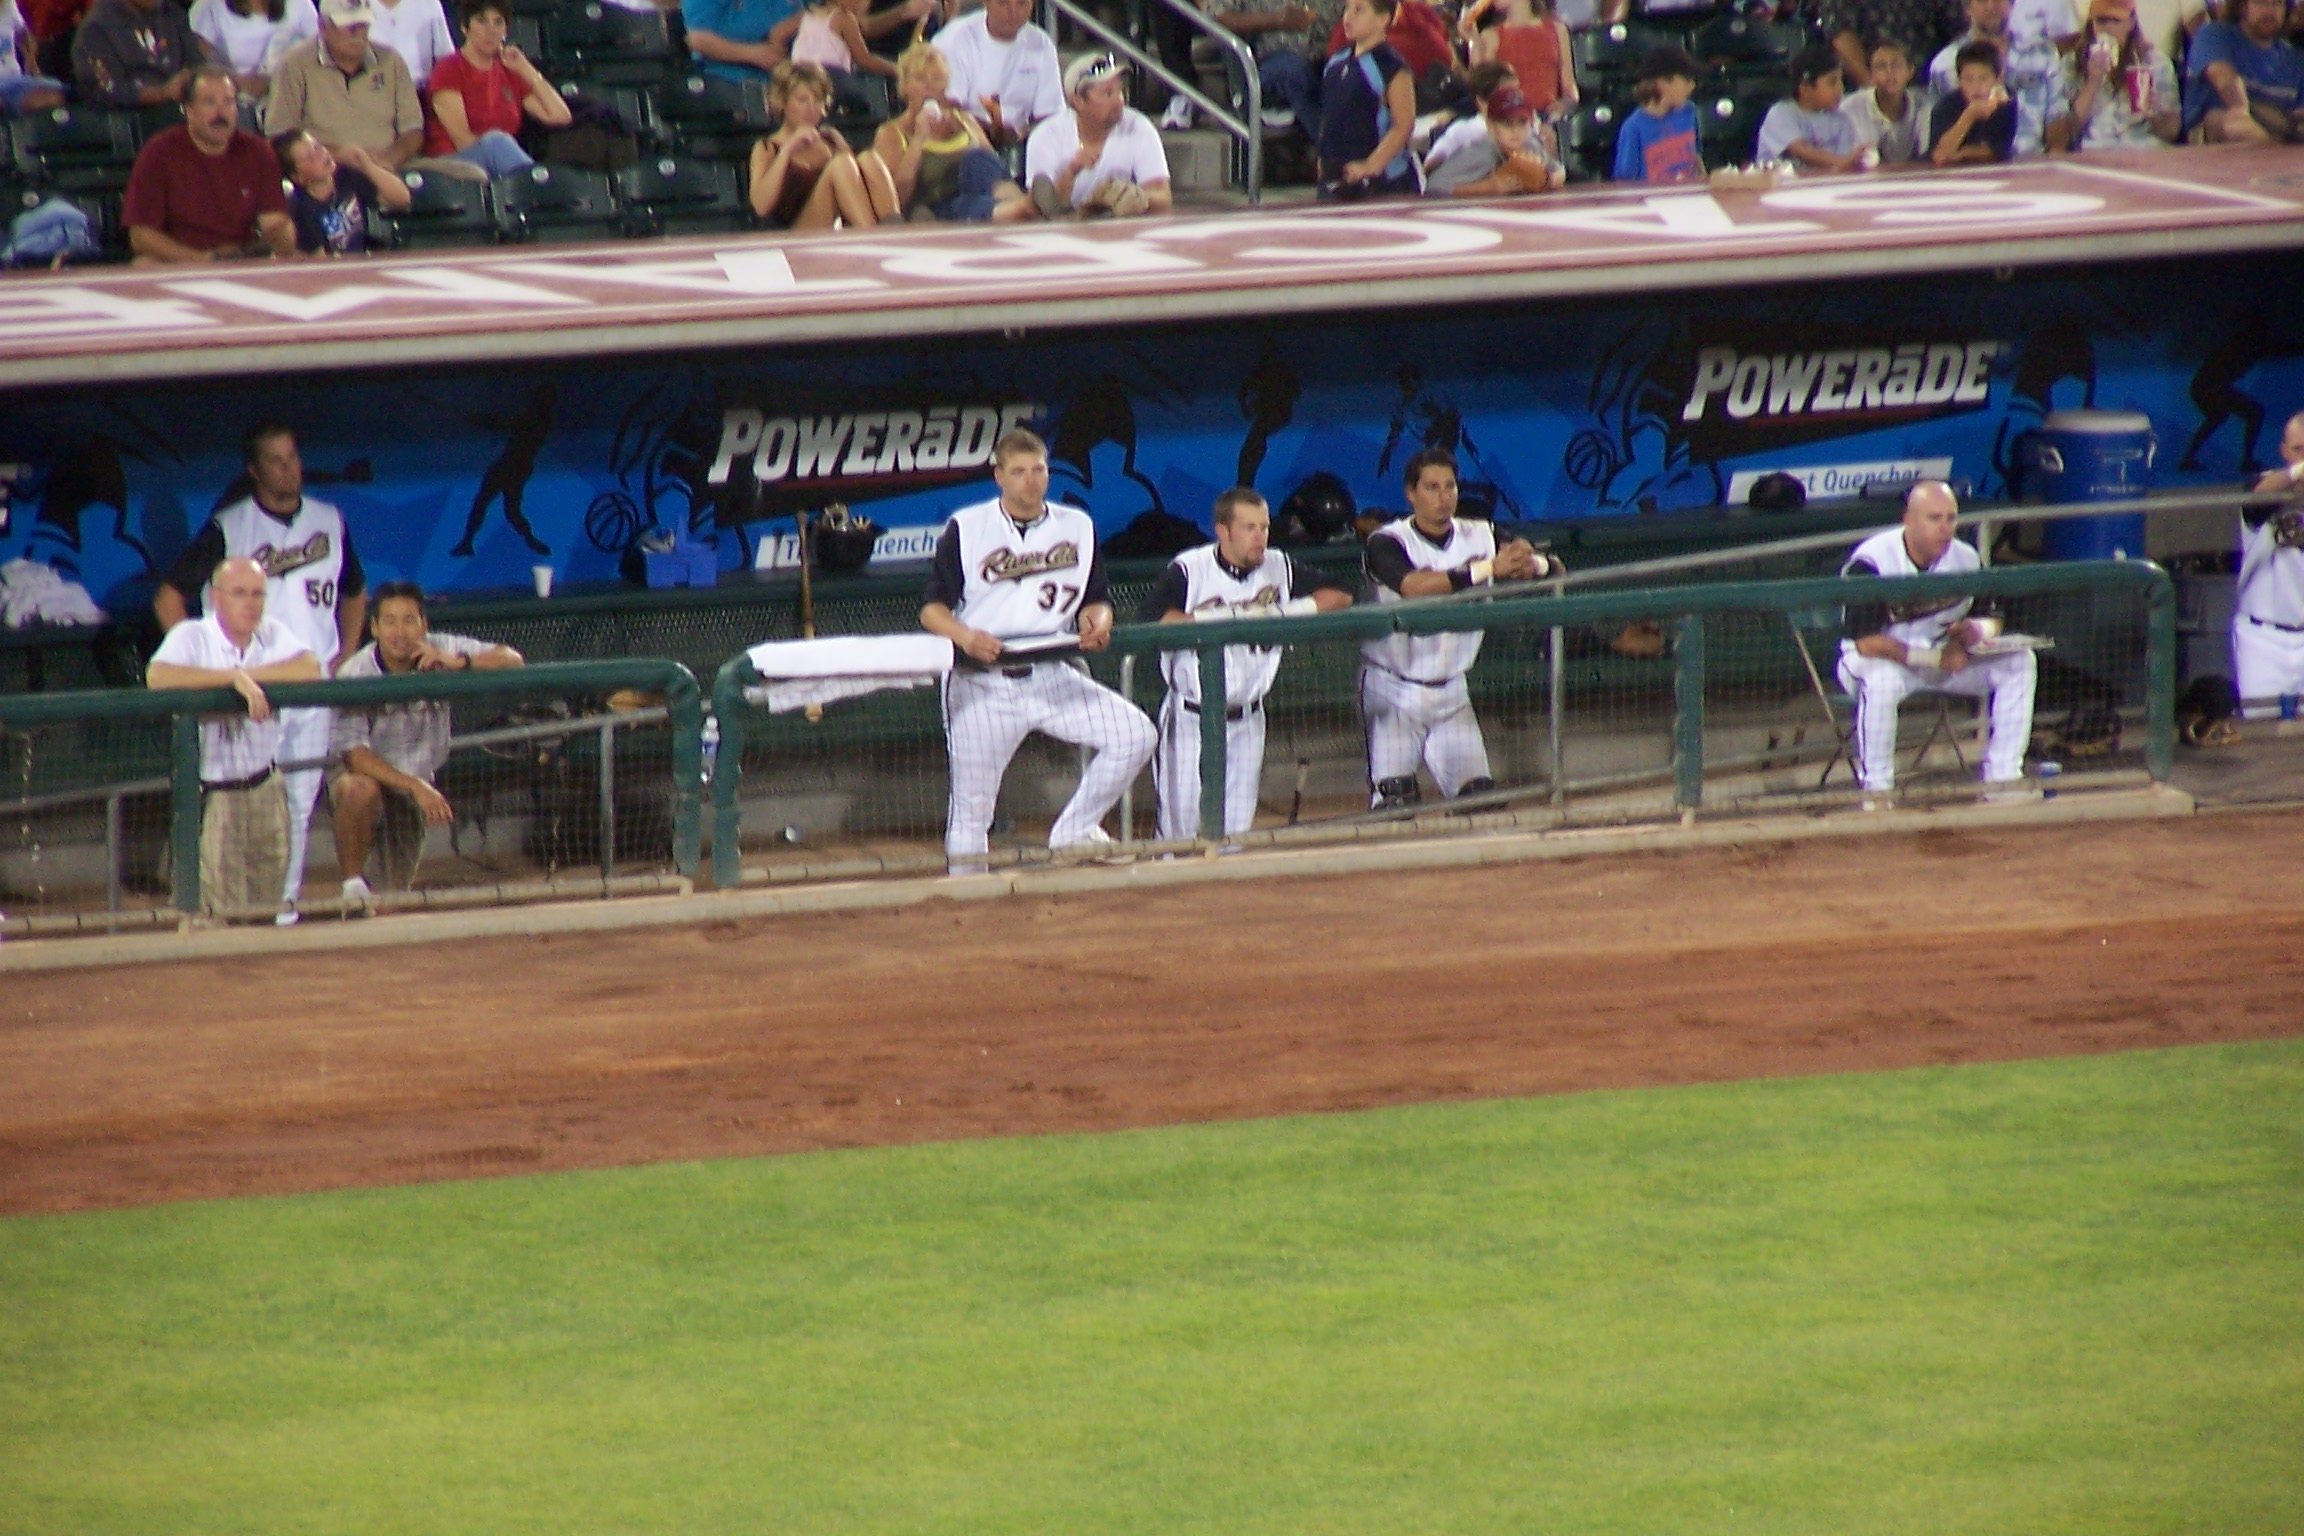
x=759, y=290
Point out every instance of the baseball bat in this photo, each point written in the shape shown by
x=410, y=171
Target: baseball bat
x=815, y=712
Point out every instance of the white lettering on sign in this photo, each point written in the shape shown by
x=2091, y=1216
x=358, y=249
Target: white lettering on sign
x=1952, y=201
x=1827, y=482
x=1361, y=238
x=1680, y=216
x=1020, y=258
x=781, y=552
x=30, y=308
x=940, y=440
x=1915, y=375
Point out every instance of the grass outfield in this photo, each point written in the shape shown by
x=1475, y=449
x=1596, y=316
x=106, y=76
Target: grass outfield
x=2054, y=1296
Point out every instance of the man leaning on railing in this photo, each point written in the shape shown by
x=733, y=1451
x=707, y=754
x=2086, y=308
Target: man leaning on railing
x=243, y=807
x=381, y=788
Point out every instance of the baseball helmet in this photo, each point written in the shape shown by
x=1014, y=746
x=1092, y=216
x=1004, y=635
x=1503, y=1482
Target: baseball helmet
x=840, y=540
x=1319, y=509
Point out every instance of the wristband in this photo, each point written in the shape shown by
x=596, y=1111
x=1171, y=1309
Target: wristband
x=1459, y=579
x=1214, y=614
x=1297, y=607
x=1923, y=656
x=1481, y=572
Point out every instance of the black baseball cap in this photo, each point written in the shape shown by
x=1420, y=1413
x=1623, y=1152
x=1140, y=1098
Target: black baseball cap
x=1669, y=61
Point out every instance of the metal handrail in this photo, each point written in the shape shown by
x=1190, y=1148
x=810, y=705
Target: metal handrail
x=1249, y=133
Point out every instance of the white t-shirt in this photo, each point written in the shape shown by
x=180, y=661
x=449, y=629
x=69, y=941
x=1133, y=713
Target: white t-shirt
x=1788, y=123
x=1132, y=152
x=1903, y=139
x=1022, y=74
x=417, y=30
x=232, y=746
x=11, y=23
x=252, y=45
x=1454, y=140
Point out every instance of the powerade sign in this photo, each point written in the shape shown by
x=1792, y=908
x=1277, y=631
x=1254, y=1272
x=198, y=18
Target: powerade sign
x=1916, y=376
x=858, y=454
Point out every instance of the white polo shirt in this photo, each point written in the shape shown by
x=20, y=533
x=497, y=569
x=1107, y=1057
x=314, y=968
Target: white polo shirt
x=1132, y=152
x=232, y=746
x=1022, y=73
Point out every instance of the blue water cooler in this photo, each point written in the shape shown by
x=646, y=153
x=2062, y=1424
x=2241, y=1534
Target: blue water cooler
x=2090, y=456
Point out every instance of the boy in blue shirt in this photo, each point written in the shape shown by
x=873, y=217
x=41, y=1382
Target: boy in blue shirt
x=1978, y=124
x=2243, y=80
x=1658, y=142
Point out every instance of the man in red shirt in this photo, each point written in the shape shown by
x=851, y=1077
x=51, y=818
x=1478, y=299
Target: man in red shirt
x=207, y=190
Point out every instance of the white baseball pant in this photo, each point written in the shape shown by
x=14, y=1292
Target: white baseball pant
x=2267, y=663
x=988, y=714
x=1176, y=769
x=1409, y=723
x=1879, y=685
x=304, y=735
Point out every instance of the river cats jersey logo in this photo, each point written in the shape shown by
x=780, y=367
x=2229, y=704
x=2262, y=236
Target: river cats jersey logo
x=1021, y=565
x=279, y=560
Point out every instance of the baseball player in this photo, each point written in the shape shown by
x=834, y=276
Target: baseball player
x=1013, y=576
x=315, y=588
x=1238, y=576
x=2268, y=619
x=1412, y=689
x=1894, y=649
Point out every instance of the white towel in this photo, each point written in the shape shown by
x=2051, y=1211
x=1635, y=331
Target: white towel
x=31, y=592
x=805, y=672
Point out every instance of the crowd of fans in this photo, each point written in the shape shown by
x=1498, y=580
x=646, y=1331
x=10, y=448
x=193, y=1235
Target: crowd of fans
x=1387, y=98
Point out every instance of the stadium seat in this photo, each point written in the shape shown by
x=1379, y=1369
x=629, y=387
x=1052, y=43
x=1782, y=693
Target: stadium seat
x=554, y=202
x=445, y=211
x=1614, y=52
x=526, y=33
x=633, y=107
x=860, y=104
x=668, y=196
x=1747, y=40
x=1730, y=125
x=1588, y=141
x=75, y=149
x=531, y=10
x=609, y=45
x=708, y=118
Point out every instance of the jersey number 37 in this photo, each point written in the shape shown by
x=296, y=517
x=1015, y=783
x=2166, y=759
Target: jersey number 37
x=1057, y=598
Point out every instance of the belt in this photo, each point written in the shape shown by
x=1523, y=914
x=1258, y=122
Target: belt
x=1018, y=672
x=1415, y=681
x=215, y=786
x=2288, y=629
x=1240, y=713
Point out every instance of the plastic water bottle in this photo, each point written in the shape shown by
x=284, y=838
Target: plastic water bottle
x=711, y=746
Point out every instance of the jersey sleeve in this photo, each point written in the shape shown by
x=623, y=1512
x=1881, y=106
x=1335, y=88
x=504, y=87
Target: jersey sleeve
x=1387, y=562
x=1097, y=589
x=189, y=575
x=351, y=581
x=1864, y=618
x=946, y=581
x=1304, y=580
x=1168, y=595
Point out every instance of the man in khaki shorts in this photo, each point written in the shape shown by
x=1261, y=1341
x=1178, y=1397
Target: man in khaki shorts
x=381, y=790
x=243, y=809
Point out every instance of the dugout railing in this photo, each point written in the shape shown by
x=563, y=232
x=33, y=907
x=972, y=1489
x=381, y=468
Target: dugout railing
x=1546, y=672
x=604, y=736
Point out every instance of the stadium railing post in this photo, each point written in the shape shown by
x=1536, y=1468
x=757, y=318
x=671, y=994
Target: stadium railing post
x=2160, y=677
x=1688, y=714
x=728, y=704
x=184, y=811
x=1214, y=692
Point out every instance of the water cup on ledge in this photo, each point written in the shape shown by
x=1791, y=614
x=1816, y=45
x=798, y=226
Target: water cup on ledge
x=543, y=575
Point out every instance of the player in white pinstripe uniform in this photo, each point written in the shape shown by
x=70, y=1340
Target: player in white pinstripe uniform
x=1412, y=689
x=2268, y=616
x=1011, y=573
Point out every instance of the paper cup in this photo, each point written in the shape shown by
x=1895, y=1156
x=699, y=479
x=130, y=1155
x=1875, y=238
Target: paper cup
x=543, y=575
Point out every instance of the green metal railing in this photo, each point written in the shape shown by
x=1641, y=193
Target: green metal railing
x=1532, y=607
x=185, y=707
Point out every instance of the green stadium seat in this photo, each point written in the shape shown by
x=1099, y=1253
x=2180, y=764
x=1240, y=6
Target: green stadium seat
x=1730, y=125
x=1615, y=50
x=669, y=196
x=445, y=211
x=1748, y=40
x=609, y=45
x=633, y=106
x=1588, y=140
x=708, y=118
x=526, y=33
x=554, y=202
x=75, y=149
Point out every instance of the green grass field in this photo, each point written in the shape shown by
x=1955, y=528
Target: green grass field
x=2056, y=1296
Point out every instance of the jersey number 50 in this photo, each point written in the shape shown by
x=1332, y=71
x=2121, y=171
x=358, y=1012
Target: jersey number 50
x=1058, y=599
x=320, y=594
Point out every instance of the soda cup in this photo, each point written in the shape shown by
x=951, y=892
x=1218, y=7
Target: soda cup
x=2051, y=774
x=2140, y=91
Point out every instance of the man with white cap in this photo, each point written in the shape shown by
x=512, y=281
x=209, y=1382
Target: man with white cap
x=346, y=92
x=1099, y=155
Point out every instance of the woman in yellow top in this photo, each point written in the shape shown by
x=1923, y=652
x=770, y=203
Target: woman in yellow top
x=931, y=161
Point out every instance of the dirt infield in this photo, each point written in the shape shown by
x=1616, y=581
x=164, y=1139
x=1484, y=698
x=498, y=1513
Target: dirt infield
x=154, y=1083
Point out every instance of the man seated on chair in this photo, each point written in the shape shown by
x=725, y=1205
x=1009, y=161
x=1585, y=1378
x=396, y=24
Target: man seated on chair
x=1896, y=649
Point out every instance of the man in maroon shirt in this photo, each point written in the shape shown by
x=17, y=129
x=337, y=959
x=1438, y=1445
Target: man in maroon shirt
x=207, y=190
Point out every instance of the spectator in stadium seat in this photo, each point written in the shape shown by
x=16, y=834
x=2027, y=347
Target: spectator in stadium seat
x=330, y=204
x=1809, y=129
x=1099, y=156
x=1281, y=32
x=741, y=39
x=1004, y=69
x=932, y=161
x=482, y=92
x=1855, y=28
x=831, y=37
x=1978, y=123
x=417, y=30
x=22, y=87
x=1659, y=142
x=804, y=177
x=2117, y=90
x=1891, y=114
x=250, y=37
x=1367, y=112
x=347, y=92
x=2243, y=80
x=134, y=53
x=381, y=791
x=1508, y=159
x=205, y=189
x=243, y=803
x=1533, y=42
x=1483, y=81
x=54, y=24
x=2030, y=70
